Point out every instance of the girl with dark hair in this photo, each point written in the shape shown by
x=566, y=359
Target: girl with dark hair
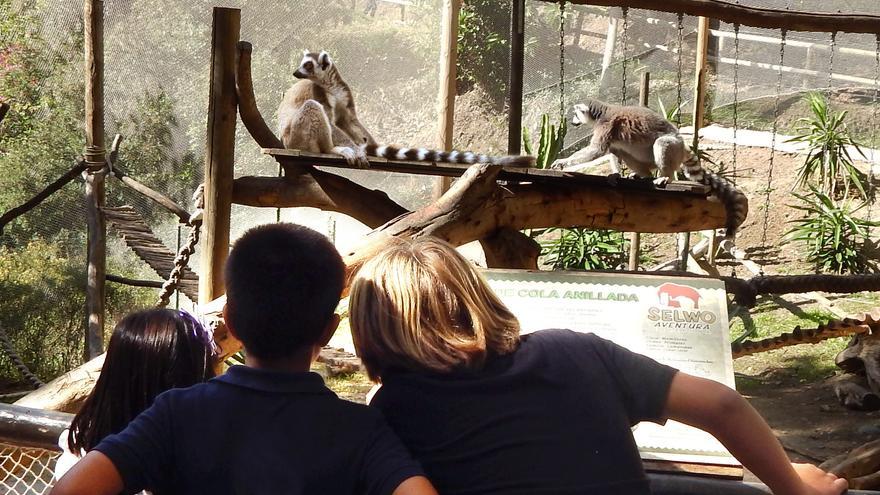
x=150, y=352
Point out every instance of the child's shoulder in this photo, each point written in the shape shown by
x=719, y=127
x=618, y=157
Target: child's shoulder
x=559, y=337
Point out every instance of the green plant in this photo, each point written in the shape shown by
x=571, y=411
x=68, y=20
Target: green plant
x=828, y=162
x=548, y=145
x=583, y=249
x=833, y=236
x=670, y=113
x=482, y=49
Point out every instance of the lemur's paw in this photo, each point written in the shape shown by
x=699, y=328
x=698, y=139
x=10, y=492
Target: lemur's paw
x=361, y=159
x=661, y=181
x=559, y=164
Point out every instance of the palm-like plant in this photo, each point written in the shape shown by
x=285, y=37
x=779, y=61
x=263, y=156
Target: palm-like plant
x=584, y=249
x=833, y=236
x=549, y=144
x=828, y=162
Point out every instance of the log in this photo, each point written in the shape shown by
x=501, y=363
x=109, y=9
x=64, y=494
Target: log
x=509, y=248
x=67, y=392
x=862, y=357
x=28, y=427
x=219, y=151
x=153, y=284
x=853, y=393
x=861, y=466
x=753, y=16
x=318, y=189
x=42, y=195
x=520, y=206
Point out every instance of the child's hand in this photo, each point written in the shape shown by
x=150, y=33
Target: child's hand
x=819, y=482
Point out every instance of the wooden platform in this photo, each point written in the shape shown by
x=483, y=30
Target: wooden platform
x=129, y=225
x=512, y=174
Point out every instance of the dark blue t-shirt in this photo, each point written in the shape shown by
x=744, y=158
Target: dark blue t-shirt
x=553, y=417
x=254, y=431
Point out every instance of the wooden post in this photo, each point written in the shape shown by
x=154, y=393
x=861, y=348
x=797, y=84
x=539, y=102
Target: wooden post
x=446, y=97
x=635, y=238
x=515, y=81
x=608, y=54
x=93, y=21
x=219, y=152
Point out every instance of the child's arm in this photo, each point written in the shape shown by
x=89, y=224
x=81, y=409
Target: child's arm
x=94, y=474
x=417, y=485
x=724, y=413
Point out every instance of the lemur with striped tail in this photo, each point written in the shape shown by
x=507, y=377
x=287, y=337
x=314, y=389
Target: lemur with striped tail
x=643, y=140
x=339, y=105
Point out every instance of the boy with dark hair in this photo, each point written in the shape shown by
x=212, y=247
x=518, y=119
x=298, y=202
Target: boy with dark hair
x=270, y=426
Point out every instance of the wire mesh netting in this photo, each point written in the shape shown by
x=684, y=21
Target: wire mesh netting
x=25, y=470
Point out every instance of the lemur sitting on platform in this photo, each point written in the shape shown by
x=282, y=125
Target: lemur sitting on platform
x=643, y=140
x=330, y=92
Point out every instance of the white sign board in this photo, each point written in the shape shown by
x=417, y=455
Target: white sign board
x=678, y=321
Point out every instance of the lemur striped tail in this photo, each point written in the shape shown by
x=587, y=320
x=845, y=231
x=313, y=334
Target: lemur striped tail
x=735, y=202
x=426, y=155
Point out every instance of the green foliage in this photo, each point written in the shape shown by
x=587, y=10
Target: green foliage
x=549, y=144
x=148, y=152
x=483, y=32
x=828, y=163
x=583, y=249
x=42, y=307
x=833, y=236
x=670, y=113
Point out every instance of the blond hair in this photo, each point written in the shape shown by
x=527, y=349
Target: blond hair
x=419, y=305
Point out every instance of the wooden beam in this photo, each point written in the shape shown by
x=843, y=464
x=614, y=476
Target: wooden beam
x=318, y=190
x=153, y=284
x=157, y=197
x=753, y=16
x=67, y=392
x=29, y=427
x=40, y=196
x=247, y=103
x=219, y=151
x=515, y=81
x=93, y=20
x=446, y=96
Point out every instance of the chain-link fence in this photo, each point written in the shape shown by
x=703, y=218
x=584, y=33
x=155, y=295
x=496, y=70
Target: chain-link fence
x=26, y=470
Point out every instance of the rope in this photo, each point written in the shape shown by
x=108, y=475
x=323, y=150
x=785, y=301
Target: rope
x=680, y=50
x=182, y=258
x=773, y=145
x=561, y=60
x=871, y=198
x=22, y=368
x=624, y=13
x=735, y=97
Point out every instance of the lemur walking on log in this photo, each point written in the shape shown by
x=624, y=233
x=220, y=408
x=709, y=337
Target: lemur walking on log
x=644, y=140
x=339, y=106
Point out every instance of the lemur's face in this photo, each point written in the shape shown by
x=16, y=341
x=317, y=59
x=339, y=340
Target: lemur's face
x=313, y=66
x=581, y=115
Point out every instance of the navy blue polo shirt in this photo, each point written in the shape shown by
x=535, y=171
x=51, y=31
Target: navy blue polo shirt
x=261, y=432
x=551, y=418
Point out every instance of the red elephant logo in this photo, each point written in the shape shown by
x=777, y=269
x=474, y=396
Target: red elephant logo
x=671, y=294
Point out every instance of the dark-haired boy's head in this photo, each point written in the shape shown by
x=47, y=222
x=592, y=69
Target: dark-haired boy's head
x=283, y=283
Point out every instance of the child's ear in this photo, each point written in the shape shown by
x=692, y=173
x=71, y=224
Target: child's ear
x=332, y=325
x=226, y=322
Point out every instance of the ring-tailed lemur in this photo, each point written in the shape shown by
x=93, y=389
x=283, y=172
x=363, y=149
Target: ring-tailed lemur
x=305, y=123
x=644, y=140
x=320, y=69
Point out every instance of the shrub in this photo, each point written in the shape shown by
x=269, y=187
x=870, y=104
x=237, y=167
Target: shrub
x=828, y=163
x=583, y=249
x=834, y=237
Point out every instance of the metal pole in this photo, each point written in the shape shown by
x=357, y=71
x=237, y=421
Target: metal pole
x=515, y=82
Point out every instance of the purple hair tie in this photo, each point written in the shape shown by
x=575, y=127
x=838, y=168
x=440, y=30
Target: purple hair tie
x=200, y=331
